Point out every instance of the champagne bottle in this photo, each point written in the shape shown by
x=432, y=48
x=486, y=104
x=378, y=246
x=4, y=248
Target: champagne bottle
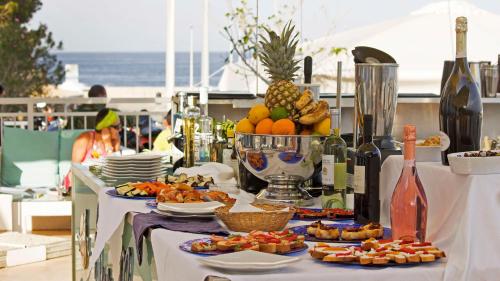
x=219, y=145
x=205, y=135
x=366, y=177
x=334, y=168
x=409, y=203
x=460, y=108
x=191, y=115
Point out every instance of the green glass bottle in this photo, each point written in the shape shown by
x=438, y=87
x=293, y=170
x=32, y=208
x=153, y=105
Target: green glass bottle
x=334, y=167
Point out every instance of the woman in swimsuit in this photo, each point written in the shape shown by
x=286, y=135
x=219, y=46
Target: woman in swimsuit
x=104, y=140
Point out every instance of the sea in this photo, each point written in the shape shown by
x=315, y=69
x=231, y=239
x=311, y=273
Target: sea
x=139, y=69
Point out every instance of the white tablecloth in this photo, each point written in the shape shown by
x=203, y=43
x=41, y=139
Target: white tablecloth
x=173, y=264
x=112, y=211
x=463, y=217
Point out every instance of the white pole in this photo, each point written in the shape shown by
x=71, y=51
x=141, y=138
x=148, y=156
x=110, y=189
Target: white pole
x=170, y=50
x=191, y=58
x=204, y=51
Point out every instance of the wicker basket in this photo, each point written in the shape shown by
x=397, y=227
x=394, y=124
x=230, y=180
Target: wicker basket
x=272, y=219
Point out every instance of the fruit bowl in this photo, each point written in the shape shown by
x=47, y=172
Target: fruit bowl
x=266, y=155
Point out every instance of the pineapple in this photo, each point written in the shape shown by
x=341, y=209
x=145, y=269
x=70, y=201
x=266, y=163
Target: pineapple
x=278, y=57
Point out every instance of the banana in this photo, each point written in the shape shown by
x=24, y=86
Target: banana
x=304, y=99
x=308, y=108
x=321, y=112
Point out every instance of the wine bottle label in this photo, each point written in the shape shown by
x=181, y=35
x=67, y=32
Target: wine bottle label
x=350, y=180
x=359, y=179
x=327, y=174
x=444, y=141
x=226, y=156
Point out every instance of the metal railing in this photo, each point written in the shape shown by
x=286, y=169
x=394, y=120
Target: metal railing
x=28, y=113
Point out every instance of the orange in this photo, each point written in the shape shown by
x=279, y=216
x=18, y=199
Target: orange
x=245, y=126
x=257, y=113
x=264, y=127
x=283, y=127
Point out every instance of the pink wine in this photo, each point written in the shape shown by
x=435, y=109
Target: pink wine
x=409, y=204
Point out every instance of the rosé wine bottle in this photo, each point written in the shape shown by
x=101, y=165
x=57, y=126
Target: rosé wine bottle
x=409, y=204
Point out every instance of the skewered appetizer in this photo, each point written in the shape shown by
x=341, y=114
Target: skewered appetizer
x=183, y=193
x=194, y=181
x=323, y=231
x=140, y=189
x=310, y=214
x=270, y=242
x=379, y=252
x=371, y=230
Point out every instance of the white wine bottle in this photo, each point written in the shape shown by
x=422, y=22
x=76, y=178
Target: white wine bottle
x=334, y=167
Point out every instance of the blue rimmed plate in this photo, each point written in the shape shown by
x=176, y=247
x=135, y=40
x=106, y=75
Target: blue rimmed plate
x=302, y=230
x=186, y=246
x=112, y=192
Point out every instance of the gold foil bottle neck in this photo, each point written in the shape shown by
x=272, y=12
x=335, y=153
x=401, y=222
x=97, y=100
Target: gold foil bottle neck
x=461, y=24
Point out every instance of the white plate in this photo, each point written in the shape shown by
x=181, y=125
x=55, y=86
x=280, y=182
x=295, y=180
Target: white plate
x=179, y=215
x=190, y=208
x=474, y=165
x=138, y=176
x=135, y=166
x=133, y=171
x=135, y=157
x=248, y=261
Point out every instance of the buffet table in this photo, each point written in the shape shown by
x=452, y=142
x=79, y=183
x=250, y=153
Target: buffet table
x=461, y=215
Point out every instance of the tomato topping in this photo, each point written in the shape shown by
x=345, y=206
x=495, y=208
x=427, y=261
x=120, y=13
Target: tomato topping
x=273, y=240
x=247, y=245
x=408, y=251
x=385, y=241
x=291, y=237
x=406, y=242
x=342, y=254
x=380, y=249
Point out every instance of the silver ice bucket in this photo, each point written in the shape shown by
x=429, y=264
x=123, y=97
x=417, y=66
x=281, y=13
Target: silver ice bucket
x=376, y=94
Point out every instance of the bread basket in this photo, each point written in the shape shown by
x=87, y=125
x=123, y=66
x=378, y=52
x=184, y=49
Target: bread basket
x=272, y=218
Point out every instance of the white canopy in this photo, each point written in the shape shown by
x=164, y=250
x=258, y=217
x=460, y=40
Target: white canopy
x=419, y=42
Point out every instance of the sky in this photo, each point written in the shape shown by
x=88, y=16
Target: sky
x=140, y=25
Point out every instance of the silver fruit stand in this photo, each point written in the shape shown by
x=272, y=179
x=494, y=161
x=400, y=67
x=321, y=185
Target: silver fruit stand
x=284, y=161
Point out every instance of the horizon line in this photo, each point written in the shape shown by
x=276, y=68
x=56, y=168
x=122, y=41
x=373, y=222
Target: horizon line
x=132, y=51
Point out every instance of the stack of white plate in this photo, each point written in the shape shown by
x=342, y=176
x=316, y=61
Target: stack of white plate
x=187, y=210
x=138, y=167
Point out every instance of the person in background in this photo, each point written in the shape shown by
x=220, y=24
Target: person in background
x=102, y=141
x=96, y=91
x=2, y=91
x=161, y=142
x=53, y=123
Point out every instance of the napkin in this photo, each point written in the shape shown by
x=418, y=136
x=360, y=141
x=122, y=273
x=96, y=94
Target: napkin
x=143, y=222
x=244, y=204
x=221, y=173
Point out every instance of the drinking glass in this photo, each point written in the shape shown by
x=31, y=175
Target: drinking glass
x=489, y=80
